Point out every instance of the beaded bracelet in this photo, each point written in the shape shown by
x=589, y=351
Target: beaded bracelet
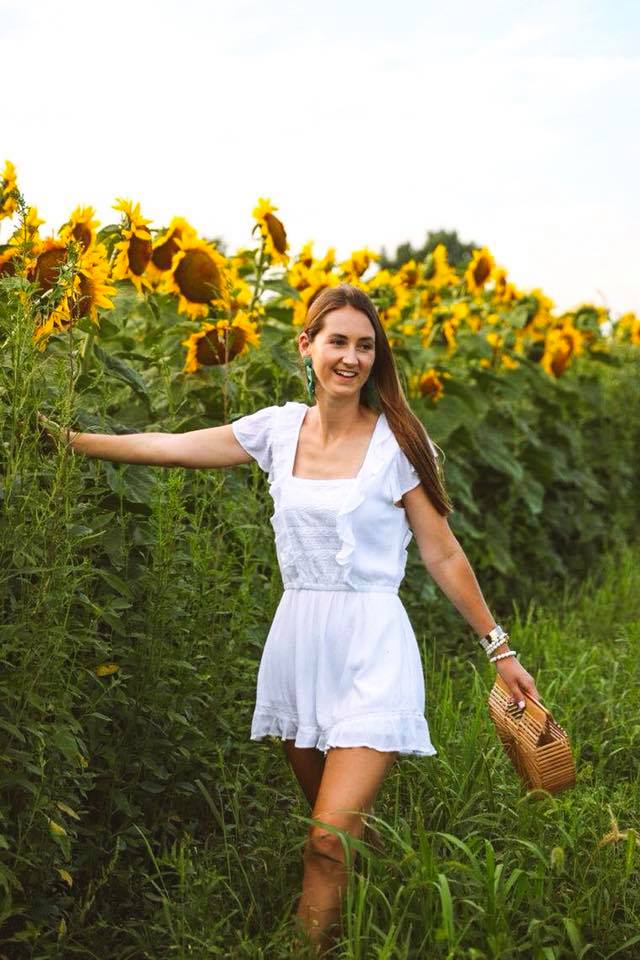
x=501, y=656
x=503, y=638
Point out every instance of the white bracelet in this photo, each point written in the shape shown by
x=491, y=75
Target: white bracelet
x=504, y=638
x=501, y=656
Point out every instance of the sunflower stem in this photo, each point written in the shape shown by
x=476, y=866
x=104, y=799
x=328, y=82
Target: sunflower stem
x=86, y=351
x=259, y=273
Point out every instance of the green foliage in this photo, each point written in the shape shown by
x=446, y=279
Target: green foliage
x=458, y=252
x=138, y=784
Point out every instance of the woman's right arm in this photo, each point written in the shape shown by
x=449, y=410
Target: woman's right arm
x=209, y=447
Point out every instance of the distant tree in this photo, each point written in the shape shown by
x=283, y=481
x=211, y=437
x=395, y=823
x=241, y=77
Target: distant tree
x=458, y=253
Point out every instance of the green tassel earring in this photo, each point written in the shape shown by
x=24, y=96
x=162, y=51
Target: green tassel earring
x=311, y=381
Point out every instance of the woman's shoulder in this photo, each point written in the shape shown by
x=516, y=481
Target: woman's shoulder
x=269, y=413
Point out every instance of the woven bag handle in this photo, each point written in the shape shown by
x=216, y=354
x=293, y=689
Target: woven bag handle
x=533, y=707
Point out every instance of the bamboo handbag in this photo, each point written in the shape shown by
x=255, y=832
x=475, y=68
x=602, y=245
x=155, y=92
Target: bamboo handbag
x=536, y=745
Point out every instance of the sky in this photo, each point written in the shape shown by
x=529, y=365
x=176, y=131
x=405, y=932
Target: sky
x=366, y=123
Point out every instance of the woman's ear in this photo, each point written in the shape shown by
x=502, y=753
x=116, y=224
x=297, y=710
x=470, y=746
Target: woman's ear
x=303, y=343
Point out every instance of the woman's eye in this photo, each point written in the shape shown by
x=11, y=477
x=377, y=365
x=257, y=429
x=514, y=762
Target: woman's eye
x=363, y=346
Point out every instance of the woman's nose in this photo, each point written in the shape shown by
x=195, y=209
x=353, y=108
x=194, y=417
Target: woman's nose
x=350, y=357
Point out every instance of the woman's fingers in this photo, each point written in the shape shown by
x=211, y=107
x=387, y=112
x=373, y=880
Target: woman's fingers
x=520, y=682
x=529, y=688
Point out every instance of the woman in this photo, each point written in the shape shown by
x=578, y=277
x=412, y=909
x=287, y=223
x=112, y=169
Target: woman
x=340, y=679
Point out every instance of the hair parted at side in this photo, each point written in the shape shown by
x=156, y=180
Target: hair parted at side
x=407, y=428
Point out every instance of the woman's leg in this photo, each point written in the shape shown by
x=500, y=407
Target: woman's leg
x=308, y=764
x=350, y=782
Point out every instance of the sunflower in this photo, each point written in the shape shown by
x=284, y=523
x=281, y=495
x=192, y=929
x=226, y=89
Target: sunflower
x=80, y=291
x=509, y=363
x=8, y=191
x=479, y=270
x=627, y=327
x=165, y=247
x=27, y=232
x=305, y=257
x=426, y=329
x=80, y=227
x=438, y=270
x=318, y=281
x=94, y=288
x=135, y=247
x=274, y=235
x=327, y=262
x=560, y=346
x=410, y=274
x=218, y=343
x=56, y=283
x=449, y=329
x=302, y=269
x=462, y=313
x=503, y=291
x=541, y=320
x=46, y=267
x=358, y=263
x=240, y=293
x=198, y=277
x=429, y=384
x=390, y=295
x=8, y=261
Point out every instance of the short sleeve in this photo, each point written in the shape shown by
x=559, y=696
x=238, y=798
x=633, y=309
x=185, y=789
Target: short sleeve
x=403, y=475
x=253, y=432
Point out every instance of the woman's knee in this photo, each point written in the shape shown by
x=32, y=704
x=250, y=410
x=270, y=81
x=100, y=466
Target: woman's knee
x=326, y=847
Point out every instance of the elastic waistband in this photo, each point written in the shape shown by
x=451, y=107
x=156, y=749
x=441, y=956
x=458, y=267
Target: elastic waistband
x=368, y=588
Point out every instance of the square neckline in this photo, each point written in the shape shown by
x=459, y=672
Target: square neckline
x=296, y=441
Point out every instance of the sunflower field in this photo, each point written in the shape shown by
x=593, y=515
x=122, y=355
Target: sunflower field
x=136, y=599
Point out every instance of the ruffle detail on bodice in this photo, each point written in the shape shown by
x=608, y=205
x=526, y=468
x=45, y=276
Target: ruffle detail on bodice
x=382, y=449
x=380, y=454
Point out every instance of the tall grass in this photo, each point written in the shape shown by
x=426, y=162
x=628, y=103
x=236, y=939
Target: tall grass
x=138, y=820
x=473, y=866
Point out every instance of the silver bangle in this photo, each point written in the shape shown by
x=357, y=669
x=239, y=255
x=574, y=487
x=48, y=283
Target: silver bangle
x=501, y=656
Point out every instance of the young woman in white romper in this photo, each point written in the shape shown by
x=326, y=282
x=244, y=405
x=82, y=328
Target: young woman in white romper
x=353, y=477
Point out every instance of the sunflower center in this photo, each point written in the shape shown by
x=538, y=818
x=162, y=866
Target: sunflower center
x=82, y=303
x=481, y=271
x=163, y=254
x=48, y=267
x=217, y=347
x=276, y=232
x=82, y=233
x=198, y=277
x=139, y=254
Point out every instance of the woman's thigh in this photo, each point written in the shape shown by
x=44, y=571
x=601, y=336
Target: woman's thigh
x=351, y=779
x=307, y=764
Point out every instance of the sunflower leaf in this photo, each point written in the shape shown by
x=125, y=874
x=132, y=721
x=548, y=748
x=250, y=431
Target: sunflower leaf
x=118, y=369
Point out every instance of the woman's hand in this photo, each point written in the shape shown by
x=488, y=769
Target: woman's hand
x=520, y=682
x=53, y=430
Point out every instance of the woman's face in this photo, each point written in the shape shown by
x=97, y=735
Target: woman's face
x=343, y=352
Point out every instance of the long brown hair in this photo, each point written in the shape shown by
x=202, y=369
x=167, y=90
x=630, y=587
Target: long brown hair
x=408, y=430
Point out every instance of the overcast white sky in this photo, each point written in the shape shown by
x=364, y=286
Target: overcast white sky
x=367, y=123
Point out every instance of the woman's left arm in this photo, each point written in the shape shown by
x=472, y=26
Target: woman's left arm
x=446, y=562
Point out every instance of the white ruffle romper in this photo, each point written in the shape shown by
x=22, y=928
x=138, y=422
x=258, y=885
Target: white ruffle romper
x=340, y=665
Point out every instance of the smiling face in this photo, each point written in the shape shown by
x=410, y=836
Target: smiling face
x=343, y=352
